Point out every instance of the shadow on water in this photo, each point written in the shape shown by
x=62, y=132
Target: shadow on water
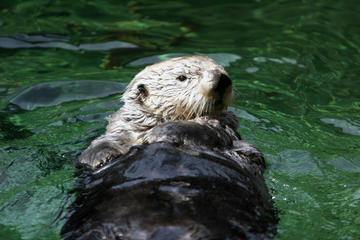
x=10, y=131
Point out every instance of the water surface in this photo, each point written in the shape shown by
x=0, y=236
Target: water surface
x=295, y=67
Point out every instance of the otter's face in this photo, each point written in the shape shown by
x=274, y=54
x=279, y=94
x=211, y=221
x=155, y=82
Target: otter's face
x=181, y=88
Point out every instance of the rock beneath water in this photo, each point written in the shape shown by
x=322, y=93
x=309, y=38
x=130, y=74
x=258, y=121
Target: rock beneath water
x=53, y=93
x=171, y=191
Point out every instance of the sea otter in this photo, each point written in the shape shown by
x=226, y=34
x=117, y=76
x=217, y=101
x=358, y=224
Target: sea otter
x=181, y=88
x=171, y=164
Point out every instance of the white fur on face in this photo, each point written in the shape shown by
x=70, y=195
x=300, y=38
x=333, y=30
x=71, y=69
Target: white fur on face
x=172, y=99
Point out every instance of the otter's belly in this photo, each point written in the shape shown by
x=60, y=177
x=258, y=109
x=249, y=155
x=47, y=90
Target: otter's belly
x=162, y=191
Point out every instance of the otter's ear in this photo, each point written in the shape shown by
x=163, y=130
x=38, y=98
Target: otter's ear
x=142, y=92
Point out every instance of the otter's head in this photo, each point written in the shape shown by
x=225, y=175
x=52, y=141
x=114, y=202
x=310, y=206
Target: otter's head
x=181, y=88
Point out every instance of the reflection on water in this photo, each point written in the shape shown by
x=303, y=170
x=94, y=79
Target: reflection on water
x=295, y=67
x=46, y=42
x=224, y=59
x=348, y=126
x=252, y=69
x=54, y=93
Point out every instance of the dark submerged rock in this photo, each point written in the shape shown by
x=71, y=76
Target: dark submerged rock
x=173, y=191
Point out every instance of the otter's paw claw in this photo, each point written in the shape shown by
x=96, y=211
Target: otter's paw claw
x=97, y=156
x=101, y=159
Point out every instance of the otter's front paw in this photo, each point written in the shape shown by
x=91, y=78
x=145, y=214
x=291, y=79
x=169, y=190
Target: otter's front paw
x=97, y=156
x=189, y=133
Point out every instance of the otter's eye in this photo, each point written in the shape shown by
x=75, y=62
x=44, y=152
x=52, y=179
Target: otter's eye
x=142, y=90
x=181, y=78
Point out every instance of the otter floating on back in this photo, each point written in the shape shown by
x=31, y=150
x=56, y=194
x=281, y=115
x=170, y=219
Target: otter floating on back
x=171, y=165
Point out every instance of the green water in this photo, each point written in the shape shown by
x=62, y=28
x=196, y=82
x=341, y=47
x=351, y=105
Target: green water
x=295, y=67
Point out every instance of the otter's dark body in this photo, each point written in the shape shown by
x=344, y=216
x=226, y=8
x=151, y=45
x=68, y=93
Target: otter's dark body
x=173, y=191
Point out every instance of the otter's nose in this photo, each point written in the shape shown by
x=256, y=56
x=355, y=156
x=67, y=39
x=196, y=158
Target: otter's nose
x=223, y=84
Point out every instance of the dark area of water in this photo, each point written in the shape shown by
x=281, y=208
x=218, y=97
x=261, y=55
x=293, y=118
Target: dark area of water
x=295, y=67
